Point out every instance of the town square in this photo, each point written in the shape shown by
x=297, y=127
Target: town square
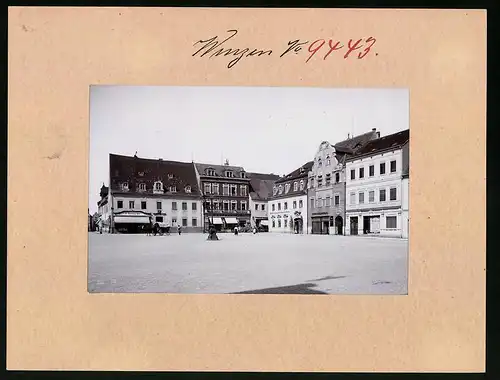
x=261, y=263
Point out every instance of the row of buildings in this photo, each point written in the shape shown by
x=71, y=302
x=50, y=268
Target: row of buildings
x=357, y=186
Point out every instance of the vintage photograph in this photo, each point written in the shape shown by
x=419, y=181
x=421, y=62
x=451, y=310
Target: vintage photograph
x=248, y=190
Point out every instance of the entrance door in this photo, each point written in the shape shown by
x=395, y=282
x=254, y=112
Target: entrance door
x=354, y=225
x=339, y=225
x=316, y=227
x=326, y=224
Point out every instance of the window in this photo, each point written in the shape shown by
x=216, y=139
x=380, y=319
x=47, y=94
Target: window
x=312, y=202
x=295, y=186
x=275, y=190
x=233, y=205
x=242, y=174
x=301, y=184
x=280, y=189
x=170, y=176
x=187, y=189
x=391, y=222
x=371, y=170
x=207, y=188
x=194, y=222
x=125, y=186
x=328, y=162
x=352, y=199
x=243, y=205
x=337, y=200
x=119, y=204
x=361, y=197
x=319, y=202
x=225, y=189
x=263, y=208
x=131, y=204
x=279, y=223
x=286, y=222
x=274, y=223
x=328, y=202
x=243, y=190
x=382, y=195
x=229, y=174
x=294, y=204
x=328, y=179
x=256, y=207
x=320, y=164
x=158, y=205
x=194, y=207
x=300, y=203
x=337, y=177
x=361, y=172
x=371, y=196
x=174, y=221
x=142, y=187
x=279, y=206
x=272, y=206
x=158, y=186
x=353, y=174
x=172, y=189
x=320, y=180
x=211, y=172
x=234, y=189
x=174, y=206
x=287, y=188
x=226, y=205
x=285, y=206
x=382, y=168
x=393, y=166
x=392, y=194
x=184, y=206
x=215, y=188
x=159, y=219
x=184, y=222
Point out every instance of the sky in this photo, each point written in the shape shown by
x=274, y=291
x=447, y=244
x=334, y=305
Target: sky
x=264, y=129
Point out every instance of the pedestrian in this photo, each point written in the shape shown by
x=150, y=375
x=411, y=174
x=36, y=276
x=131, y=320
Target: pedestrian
x=236, y=230
x=100, y=226
x=179, y=229
x=254, y=230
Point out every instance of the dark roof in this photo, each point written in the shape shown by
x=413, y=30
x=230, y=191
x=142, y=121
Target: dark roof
x=356, y=142
x=104, y=191
x=135, y=170
x=263, y=176
x=261, y=189
x=394, y=141
x=219, y=169
x=297, y=173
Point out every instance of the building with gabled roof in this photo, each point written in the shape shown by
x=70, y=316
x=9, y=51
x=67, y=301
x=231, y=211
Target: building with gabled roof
x=261, y=189
x=377, y=187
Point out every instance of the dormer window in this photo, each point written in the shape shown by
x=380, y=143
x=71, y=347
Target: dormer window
x=141, y=174
x=229, y=174
x=301, y=184
x=187, y=189
x=125, y=186
x=170, y=176
x=142, y=187
x=275, y=190
x=157, y=187
x=242, y=174
x=295, y=186
x=280, y=189
x=211, y=172
x=328, y=161
x=319, y=163
x=172, y=189
x=287, y=188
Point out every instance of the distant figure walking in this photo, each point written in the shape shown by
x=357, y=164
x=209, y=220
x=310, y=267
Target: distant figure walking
x=179, y=229
x=254, y=230
x=236, y=230
x=100, y=226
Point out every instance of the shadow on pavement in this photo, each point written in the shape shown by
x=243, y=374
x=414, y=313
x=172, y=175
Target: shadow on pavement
x=292, y=289
x=328, y=278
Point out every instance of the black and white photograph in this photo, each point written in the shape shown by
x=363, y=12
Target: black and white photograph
x=248, y=190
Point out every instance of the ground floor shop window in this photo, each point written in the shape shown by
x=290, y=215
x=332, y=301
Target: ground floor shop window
x=391, y=222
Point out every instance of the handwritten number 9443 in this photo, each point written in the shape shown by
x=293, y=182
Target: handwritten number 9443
x=359, y=48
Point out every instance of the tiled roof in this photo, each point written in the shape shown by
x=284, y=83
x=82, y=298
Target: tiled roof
x=219, y=169
x=356, y=142
x=297, y=173
x=135, y=170
x=394, y=141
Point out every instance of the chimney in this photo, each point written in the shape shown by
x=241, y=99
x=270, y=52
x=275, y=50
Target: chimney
x=374, y=129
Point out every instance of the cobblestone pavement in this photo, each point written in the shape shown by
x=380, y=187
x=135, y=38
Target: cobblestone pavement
x=263, y=263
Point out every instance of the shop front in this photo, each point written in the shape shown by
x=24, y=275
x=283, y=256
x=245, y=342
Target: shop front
x=320, y=223
x=131, y=222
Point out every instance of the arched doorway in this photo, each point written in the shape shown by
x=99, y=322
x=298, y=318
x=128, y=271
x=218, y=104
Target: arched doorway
x=339, y=225
x=298, y=225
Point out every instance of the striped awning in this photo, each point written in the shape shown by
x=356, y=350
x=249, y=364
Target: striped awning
x=216, y=220
x=264, y=222
x=231, y=220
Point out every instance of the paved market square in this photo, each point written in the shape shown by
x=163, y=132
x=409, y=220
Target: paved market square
x=263, y=263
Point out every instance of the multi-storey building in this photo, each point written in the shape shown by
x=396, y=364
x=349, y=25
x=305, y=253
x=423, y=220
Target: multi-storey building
x=288, y=204
x=374, y=187
x=104, y=210
x=326, y=184
x=225, y=192
x=261, y=189
x=147, y=190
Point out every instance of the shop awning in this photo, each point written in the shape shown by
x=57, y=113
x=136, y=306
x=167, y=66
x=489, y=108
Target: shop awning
x=216, y=220
x=264, y=222
x=231, y=221
x=132, y=219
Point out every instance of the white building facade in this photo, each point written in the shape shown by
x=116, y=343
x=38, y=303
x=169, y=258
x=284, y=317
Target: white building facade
x=287, y=208
x=374, y=187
